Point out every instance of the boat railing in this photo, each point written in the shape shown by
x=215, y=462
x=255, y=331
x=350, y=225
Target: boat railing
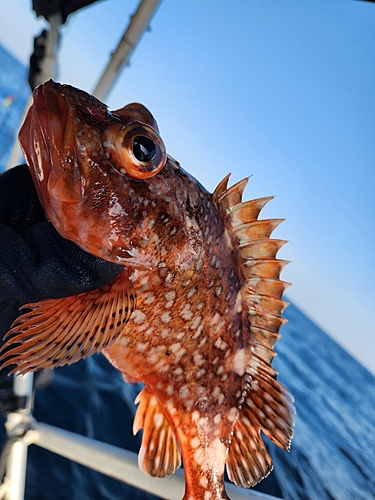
x=23, y=430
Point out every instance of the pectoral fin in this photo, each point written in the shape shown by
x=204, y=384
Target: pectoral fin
x=159, y=455
x=57, y=332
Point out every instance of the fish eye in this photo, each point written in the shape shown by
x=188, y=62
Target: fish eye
x=135, y=149
x=144, y=149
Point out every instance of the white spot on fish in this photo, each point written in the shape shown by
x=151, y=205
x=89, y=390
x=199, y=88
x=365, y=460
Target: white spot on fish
x=138, y=317
x=195, y=323
x=170, y=295
x=184, y=392
x=166, y=317
x=194, y=442
x=175, y=347
x=215, y=319
x=232, y=414
x=216, y=456
x=191, y=292
x=149, y=298
x=155, y=353
x=179, y=355
x=216, y=392
x=198, y=456
x=165, y=333
x=169, y=278
x=162, y=365
x=170, y=406
x=198, y=359
x=204, y=481
x=239, y=362
x=217, y=419
x=186, y=312
x=220, y=344
x=158, y=419
x=188, y=403
x=238, y=305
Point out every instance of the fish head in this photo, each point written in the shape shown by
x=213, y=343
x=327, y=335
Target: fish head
x=87, y=161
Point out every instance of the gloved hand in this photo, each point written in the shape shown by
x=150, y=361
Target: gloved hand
x=35, y=261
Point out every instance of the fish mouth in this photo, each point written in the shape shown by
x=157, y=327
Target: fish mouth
x=47, y=139
x=42, y=131
x=53, y=119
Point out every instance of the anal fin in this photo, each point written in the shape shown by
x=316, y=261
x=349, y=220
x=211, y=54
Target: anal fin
x=268, y=407
x=248, y=460
x=159, y=455
x=55, y=332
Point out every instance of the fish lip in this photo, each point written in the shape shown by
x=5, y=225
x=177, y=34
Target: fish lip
x=50, y=113
x=47, y=100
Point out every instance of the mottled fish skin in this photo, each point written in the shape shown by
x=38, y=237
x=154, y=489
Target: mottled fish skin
x=203, y=295
x=183, y=338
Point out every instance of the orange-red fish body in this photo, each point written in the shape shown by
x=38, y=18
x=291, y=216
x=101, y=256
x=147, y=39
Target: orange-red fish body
x=185, y=338
x=196, y=312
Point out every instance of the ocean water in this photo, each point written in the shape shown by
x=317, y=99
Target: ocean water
x=332, y=455
x=333, y=451
x=14, y=92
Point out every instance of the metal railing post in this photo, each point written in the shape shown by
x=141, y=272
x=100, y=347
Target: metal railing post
x=17, y=425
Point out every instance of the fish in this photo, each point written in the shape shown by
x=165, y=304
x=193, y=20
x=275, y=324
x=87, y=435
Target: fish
x=196, y=311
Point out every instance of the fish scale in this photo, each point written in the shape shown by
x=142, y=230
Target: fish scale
x=197, y=310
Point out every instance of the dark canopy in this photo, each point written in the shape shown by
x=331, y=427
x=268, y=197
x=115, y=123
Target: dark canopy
x=46, y=8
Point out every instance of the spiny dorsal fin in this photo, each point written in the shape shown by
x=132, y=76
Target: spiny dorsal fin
x=57, y=332
x=261, y=248
x=265, y=405
x=221, y=188
x=247, y=211
x=159, y=455
x=231, y=196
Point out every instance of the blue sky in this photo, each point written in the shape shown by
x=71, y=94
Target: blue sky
x=280, y=89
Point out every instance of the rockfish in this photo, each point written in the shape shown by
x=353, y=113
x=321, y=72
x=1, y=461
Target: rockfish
x=195, y=313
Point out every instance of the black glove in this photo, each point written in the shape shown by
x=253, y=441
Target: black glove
x=35, y=261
